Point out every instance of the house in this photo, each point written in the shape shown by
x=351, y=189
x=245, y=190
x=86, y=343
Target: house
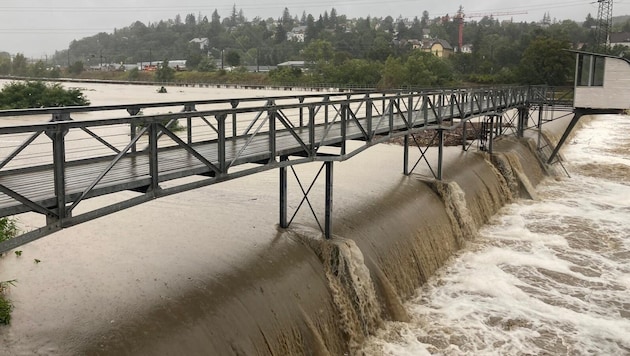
x=467, y=48
x=620, y=38
x=203, y=43
x=292, y=64
x=440, y=48
x=297, y=34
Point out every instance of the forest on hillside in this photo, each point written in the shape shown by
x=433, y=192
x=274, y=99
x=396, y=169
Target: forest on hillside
x=336, y=49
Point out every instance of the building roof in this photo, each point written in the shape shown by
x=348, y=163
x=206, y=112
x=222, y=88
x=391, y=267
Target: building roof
x=292, y=64
x=620, y=37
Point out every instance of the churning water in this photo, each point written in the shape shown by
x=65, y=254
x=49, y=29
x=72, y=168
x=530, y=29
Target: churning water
x=544, y=277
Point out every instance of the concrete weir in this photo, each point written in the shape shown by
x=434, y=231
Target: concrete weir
x=226, y=282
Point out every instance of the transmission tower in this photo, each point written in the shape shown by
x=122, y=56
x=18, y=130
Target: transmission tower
x=604, y=24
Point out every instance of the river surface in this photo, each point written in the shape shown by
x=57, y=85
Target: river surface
x=545, y=277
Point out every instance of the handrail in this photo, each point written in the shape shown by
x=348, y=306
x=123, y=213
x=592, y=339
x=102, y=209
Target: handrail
x=53, y=179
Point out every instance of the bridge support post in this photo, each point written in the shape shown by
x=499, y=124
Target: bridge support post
x=464, y=135
x=491, y=135
x=329, y=201
x=440, y=153
x=523, y=117
x=326, y=228
x=406, y=156
x=284, y=222
x=487, y=134
x=577, y=115
x=539, y=124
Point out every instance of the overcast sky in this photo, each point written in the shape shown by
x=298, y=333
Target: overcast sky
x=37, y=28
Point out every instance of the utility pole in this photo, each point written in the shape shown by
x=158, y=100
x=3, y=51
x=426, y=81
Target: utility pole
x=604, y=24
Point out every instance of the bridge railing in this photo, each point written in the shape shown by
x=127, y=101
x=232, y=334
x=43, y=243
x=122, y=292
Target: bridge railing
x=83, y=152
x=243, y=117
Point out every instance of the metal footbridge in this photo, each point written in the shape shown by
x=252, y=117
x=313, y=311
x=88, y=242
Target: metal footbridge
x=53, y=159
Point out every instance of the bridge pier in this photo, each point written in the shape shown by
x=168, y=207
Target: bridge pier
x=439, y=135
x=285, y=222
x=523, y=119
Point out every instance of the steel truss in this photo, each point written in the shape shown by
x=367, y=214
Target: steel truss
x=49, y=171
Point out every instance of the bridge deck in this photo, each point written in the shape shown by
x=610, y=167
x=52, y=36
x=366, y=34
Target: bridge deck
x=237, y=141
x=132, y=172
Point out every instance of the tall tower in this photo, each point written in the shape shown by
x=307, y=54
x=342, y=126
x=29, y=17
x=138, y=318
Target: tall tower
x=604, y=24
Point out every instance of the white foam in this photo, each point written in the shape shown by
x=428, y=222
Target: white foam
x=545, y=277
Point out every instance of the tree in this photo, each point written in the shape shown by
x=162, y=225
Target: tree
x=5, y=65
x=164, y=73
x=19, y=66
x=421, y=69
x=233, y=58
x=318, y=54
x=38, y=70
x=546, y=61
x=424, y=22
x=589, y=22
x=191, y=20
x=287, y=20
x=207, y=64
x=76, y=68
x=355, y=72
x=280, y=34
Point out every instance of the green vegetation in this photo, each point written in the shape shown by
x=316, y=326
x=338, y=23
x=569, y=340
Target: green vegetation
x=36, y=94
x=5, y=305
x=8, y=230
x=383, y=52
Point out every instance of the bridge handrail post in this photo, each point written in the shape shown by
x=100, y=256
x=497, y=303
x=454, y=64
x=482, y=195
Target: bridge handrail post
x=153, y=156
x=272, y=134
x=425, y=109
x=189, y=107
x=390, y=115
x=410, y=115
x=133, y=111
x=301, y=100
x=311, y=129
x=221, y=118
x=344, y=122
x=369, y=113
x=234, y=104
x=326, y=108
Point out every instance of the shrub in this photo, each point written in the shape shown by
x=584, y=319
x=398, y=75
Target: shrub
x=37, y=94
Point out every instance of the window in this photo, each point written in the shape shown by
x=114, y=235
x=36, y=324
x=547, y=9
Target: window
x=598, y=72
x=590, y=70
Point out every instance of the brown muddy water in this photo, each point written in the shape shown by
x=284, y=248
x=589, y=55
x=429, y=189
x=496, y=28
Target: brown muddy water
x=208, y=272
